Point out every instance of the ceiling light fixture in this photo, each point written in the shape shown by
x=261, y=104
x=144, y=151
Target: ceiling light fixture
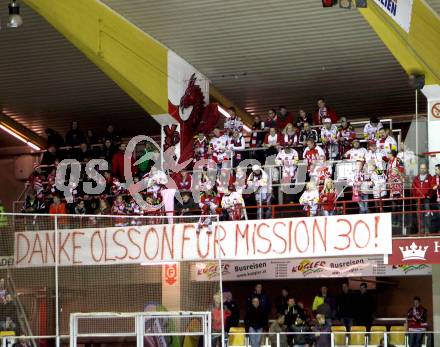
x=15, y=20
x=12, y=132
x=224, y=112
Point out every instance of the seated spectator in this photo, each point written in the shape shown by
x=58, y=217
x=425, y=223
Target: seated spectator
x=82, y=154
x=328, y=138
x=104, y=208
x=33, y=204
x=187, y=207
x=74, y=136
x=111, y=134
x=322, y=330
x=54, y=138
x=277, y=327
x=234, y=123
x=22, y=342
x=272, y=141
x=291, y=135
x=80, y=208
x=357, y=152
x=299, y=338
x=327, y=198
x=307, y=133
x=345, y=136
x=57, y=206
x=255, y=322
x=323, y=112
x=310, y=199
x=283, y=117
x=120, y=208
x=90, y=138
x=271, y=121
x=386, y=142
x=371, y=128
x=304, y=117
x=259, y=182
x=108, y=150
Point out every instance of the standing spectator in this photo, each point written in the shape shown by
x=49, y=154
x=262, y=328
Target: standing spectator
x=8, y=309
x=111, y=134
x=272, y=141
x=310, y=199
x=33, y=204
x=364, y=307
x=237, y=144
x=307, y=133
x=8, y=325
x=74, y=136
x=328, y=138
x=291, y=135
x=304, y=117
x=409, y=160
x=259, y=181
x=292, y=312
x=386, y=142
x=277, y=328
x=255, y=321
x=379, y=184
x=233, y=123
x=263, y=299
x=375, y=157
x=313, y=154
x=108, y=150
x=283, y=117
x=322, y=331
x=233, y=320
x=118, y=163
x=288, y=159
x=3, y=291
x=299, y=338
x=281, y=301
x=219, y=319
x=187, y=207
x=422, y=190
x=436, y=204
x=232, y=204
x=271, y=121
x=327, y=198
x=361, y=187
x=91, y=139
x=345, y=136
x=219, y=146
x=345, y=306
x=54, y=138
x=183, y=180
x=417, y=317
x=200, y=147
x=83, y=153
x=209, y=203
x=357, y=152
x=324, y=304
x=50, y=156
x=371, y=128
x=323, y=112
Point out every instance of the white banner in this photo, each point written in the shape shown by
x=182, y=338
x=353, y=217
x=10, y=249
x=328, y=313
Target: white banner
x=247, y=240
x=399, y=10
x=304, y=268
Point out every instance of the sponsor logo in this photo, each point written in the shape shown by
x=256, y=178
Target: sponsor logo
x=413, y=252
x=410, y=268
x=211, y=270
x=308, y=267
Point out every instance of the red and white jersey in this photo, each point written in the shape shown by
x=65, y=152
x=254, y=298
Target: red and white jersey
x=237, y=144
x=387, y=145
x=346, y=134
x=321, y=171
x=292, y=139
x=200, y=147
x=258, y=181
x=356, y=153
x=233, y=124
x=312, y=155
x=156, y=181
x=329, y=135
x=134, y=208
x=273, y=140
x=219, y=146
x=288, y=162
x=309, y=199
x=376, y=158
x=370, y=131
x=209, y=203
x=378, y=179
x=232, y=200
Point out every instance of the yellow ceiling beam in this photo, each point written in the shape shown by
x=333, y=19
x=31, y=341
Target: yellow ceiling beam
x=418, y=51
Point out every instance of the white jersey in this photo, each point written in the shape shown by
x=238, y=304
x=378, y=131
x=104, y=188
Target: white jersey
x=219, y=147
x=375, y=158
x=356, y=153
x=233, y=124
x=329, y=135
x=288, y=161
x=379, y=184
x=409, y=162
x=370, y=131
x=259, y=182
x=156, y=181
x=387, y=145
x=231, y=200
x=309, y=199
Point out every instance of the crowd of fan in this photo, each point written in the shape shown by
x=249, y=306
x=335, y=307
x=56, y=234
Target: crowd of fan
x=347, y=308
x=316, y=141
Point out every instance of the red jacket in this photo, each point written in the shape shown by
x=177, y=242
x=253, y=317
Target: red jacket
x=330, y=203
x=422, y=189
x=282, y=122
x=118, y=166
x=331, y=113
x=183, y=183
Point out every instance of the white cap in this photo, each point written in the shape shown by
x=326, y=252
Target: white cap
x=326, y=120
x=256, y=167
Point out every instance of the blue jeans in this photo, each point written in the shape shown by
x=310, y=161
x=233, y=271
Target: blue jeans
x=255, y=336
x=415, y=339
x=363, y=205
